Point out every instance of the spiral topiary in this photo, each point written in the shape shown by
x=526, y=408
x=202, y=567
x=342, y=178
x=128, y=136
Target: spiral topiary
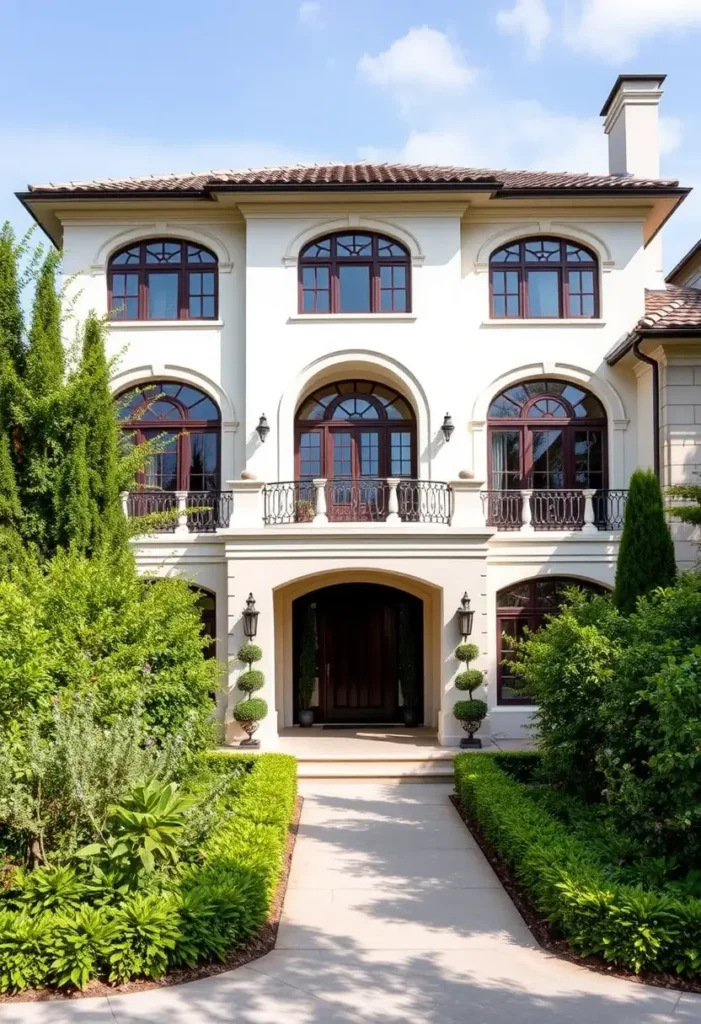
x=467, y=652
x=251, y=681
x=253, y=709
x=468, y=681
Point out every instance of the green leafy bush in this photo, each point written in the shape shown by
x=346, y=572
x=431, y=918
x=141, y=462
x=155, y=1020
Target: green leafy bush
x=569, y=882
x=646, y=552
x=249, y=653
x=251, y=681
x=469, y=681
x=199, y=913
x=253, y=710
x=470, y=710
x=467, y=652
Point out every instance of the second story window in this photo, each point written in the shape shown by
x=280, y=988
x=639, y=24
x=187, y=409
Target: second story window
x=543, y=277
x=354, y=273
x=163, y=279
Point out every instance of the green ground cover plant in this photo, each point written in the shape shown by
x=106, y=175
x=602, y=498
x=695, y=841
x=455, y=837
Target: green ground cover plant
x=577, y=872
x=182, y=873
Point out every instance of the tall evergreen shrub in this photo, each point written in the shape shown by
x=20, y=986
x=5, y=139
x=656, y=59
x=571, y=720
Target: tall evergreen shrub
x=646, y=553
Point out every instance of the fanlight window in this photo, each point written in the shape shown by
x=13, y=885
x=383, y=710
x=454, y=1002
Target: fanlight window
x=524, y=606
x=543, y=277
x=163, y=280
x=187, y=424
x=547, y=435
x=354, y=273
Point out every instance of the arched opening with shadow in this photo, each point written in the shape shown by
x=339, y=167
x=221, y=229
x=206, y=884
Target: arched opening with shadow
x=365, y=641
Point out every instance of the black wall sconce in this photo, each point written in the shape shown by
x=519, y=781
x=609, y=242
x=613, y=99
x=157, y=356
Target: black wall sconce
x=448, y=426
x=263, y=429
x=250, y=618
x=465, y=617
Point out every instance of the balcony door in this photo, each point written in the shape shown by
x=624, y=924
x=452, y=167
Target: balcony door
x=355, y=434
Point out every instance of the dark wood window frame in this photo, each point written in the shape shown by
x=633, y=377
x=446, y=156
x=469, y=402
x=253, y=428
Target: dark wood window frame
x=189, y=265
x=328, y=426
x=571, y=258
x=184, y=426
x=314, y=256
x=525, y=425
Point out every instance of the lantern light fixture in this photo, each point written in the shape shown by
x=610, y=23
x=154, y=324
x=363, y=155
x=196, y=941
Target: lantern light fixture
x=250, y=618
x=263, y=428
x=465, y=617
x=448, y=426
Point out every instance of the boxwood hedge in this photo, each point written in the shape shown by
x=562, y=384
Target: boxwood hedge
x=200, y=915
x=567, y=879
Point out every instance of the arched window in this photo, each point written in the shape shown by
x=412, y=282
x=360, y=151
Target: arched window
x=546, y=435
x=543, y=277
x=354, y=272
x=522, y=605
x=189, y=423
x=355, y=433
x=163, y=279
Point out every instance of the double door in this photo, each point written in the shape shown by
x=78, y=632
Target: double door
x=356, y=461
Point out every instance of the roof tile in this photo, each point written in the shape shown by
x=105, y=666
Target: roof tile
x=672, y=307
x=352, y=174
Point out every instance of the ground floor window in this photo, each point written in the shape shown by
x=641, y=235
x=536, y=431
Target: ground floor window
x=526, y=605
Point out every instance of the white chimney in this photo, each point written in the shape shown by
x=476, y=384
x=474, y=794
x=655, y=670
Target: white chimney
x=633, y=125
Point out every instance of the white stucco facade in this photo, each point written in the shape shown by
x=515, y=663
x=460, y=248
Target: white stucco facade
x=262, y=356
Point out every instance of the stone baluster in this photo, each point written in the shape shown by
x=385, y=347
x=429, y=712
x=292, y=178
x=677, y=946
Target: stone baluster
x=392, y=502
x=181, y=498
x=526, y=512
x=320, y=516
x=124, y=495
x=589, y=514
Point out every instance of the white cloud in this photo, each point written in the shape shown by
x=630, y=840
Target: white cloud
x=615, y=29
x=309, y=13
x=423, y=59
x=529, y=18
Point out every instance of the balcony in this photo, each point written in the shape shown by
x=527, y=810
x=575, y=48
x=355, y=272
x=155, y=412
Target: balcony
x=198, y=511
x=368, y=500
x=587, y=511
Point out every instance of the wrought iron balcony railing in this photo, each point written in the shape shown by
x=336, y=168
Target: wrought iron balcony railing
x=357, y=501
x=586, y=510
x=198, y=511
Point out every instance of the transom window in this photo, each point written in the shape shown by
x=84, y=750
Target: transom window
x=187, y=422
x=354, y=272
x=163, y=279
x=546, y=435
x=543, y=277
x=524, y=606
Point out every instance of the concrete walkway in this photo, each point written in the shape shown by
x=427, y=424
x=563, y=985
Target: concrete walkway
x=394, y=916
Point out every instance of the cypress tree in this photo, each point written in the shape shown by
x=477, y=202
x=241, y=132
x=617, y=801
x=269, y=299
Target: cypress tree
x=74, y=507
x=95, y=408
x=11, y=319
x=646, y=553
x=45, y=355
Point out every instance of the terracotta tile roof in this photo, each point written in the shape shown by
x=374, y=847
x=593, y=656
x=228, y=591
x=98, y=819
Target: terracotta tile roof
x=670, y=308
x=353, y=174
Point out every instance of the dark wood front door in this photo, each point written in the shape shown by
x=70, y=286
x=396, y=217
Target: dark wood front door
x=358, y=653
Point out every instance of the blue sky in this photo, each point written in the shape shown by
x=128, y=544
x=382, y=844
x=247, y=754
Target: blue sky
x=148, y=86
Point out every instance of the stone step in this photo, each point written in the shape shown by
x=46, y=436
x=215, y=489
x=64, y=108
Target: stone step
x=438, y=769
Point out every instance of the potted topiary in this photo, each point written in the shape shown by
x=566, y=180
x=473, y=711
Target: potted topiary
x=250, y=710
x=307, y=669
x=470, y=713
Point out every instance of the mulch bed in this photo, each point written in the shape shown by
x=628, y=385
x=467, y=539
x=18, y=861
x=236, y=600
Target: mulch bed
x=260, y=945
x=544, y=933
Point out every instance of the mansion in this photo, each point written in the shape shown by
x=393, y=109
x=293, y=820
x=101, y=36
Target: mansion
x=387, y=388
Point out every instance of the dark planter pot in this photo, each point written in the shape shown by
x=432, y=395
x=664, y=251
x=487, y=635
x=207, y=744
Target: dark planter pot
x=306, y=717
x=410, y=717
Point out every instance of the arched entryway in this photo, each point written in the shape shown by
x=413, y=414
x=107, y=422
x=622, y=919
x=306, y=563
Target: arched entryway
x=366, y=642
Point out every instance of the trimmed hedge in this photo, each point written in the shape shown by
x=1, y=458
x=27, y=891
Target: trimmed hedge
x=567, y=879
x=200, y=915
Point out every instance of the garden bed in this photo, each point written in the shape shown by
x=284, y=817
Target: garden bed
x=569, y=895
x=221, y=913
